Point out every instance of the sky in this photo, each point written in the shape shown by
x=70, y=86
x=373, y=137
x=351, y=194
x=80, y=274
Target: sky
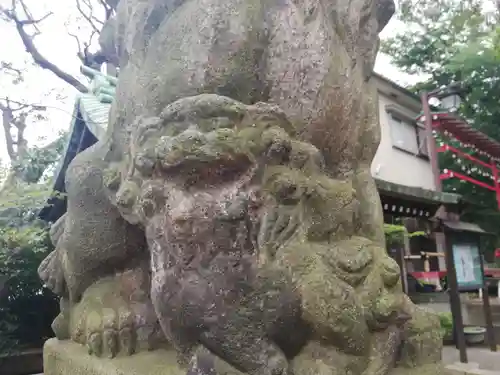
x=42, y=87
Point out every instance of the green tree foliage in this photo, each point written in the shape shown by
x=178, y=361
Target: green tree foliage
x=449, y=41
x=26, y=307
x=38, y=160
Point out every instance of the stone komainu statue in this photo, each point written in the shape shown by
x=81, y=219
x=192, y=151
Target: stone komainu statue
x=230, y=206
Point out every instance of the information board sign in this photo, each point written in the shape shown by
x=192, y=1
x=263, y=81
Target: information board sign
x=468, y=268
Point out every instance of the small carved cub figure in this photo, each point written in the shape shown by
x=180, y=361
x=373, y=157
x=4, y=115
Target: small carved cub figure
x=195, y=184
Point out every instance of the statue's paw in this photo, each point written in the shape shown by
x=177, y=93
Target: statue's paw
x=111, y=332
x=111, y=325
x=51, y=273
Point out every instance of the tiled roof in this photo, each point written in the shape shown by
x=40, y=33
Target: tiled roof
x=94, y=106
x=90, y=112
x=94, y=113
x=417, y=193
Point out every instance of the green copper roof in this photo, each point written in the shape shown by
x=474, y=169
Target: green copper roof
x=95, y=105
x=94, y=113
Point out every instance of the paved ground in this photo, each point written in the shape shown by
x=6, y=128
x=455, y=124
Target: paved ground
x=486, y=359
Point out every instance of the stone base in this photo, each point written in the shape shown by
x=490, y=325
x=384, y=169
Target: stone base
x=434, y=370
x=66, y=357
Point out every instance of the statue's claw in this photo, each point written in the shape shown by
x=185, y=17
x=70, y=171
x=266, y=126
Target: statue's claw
x=105, y=339
x=111, y=325
x=94, y=344
x=126, y=341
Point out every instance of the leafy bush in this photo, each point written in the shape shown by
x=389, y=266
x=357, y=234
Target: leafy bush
x=26, y=307
x=394, y=235
x=446, y=320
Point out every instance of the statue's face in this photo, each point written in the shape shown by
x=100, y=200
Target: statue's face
x=198, y=144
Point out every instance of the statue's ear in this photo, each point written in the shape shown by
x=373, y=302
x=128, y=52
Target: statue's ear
x=385, y=9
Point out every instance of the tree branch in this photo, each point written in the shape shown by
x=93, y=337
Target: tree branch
x=16, y=74
x=108, y=9
x=27, y=13
x=22, y=105
x=88, y=17
x=80, y=51
x=46, y=64
x=91, y=10
x=21, y=143
x=14, y=117
x=83, y=47
x=111, y=4
x=30, y=47
x=7, y=118
x=10, y=68
x=33, y=21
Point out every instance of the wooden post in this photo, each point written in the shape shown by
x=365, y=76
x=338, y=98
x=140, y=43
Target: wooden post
x=490, y=332
x=427, y=264
x=456, y=306
x=431, y=144
x=402, y=265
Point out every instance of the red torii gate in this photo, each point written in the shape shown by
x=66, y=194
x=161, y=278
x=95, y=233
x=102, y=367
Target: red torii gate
x=456, y=128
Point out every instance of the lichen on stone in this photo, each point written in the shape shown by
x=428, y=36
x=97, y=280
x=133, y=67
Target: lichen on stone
x=230, y=207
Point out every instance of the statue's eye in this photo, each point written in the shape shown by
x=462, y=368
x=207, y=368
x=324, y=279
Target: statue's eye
x=356, y=263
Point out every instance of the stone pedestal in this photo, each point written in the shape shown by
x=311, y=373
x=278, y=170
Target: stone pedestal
x=66, y=357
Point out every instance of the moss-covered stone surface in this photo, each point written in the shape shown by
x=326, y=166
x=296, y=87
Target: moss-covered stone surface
x=228, y=219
